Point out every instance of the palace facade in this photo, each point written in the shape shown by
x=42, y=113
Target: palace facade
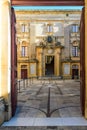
x=48, y=43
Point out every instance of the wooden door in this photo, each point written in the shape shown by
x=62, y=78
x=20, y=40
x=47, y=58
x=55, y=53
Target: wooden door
x=13, y=63
x=82, y=61
x=23, y=73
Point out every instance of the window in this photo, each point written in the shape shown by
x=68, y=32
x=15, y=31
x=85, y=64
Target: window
x=49, y=28
x=24, y=28
x=24, y=51
x=75, y=51
x=75, y=28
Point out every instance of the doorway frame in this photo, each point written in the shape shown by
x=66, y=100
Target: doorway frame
x=51, y=3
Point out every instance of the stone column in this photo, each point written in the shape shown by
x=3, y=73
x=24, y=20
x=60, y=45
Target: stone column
x=57, y=62
x=5, y=55
x=39, y=53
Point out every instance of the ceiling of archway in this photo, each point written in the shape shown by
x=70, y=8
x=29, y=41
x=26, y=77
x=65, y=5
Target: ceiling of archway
x=48, y=2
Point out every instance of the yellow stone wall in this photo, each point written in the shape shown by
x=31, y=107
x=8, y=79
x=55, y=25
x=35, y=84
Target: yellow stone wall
x=30, y=38
x=5, y=54
x=39, y=52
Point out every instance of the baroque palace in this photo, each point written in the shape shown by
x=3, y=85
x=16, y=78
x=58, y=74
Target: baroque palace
x=48, y=43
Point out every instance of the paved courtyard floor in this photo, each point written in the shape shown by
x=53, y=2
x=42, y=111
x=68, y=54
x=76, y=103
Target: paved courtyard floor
x=49, y=99
x=48, y=103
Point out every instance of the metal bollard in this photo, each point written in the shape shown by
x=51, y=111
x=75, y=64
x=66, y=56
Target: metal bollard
x=19, y=86
x=27, y=82
x=23, y=83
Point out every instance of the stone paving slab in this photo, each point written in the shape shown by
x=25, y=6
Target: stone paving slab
x=64, y=96
x=64, y=102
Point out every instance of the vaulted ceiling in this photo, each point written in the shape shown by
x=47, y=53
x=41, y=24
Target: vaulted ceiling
x=48, y=2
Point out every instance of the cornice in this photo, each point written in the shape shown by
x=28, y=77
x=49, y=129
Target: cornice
x=47, y=12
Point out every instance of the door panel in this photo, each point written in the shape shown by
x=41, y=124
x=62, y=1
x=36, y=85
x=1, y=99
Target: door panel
x=82, y=61
x=13, y=63
x=23, y=73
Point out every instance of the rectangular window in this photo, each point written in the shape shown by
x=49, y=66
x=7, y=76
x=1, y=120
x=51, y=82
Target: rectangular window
x=74, y=51
x=75, y=28
x=23, y=28
x=49, y=28
x=24, y=51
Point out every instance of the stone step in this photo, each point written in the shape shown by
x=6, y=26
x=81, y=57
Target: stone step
x=66, y=121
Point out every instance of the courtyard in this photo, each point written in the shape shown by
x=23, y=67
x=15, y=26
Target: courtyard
x=48, y=98
x=47, y=103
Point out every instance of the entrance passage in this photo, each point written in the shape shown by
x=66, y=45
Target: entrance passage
x=49, y=66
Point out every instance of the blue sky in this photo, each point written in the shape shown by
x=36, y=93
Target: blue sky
x=48, y=7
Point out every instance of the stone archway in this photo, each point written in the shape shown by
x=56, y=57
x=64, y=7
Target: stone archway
x=64, y=2
x=5, y=58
